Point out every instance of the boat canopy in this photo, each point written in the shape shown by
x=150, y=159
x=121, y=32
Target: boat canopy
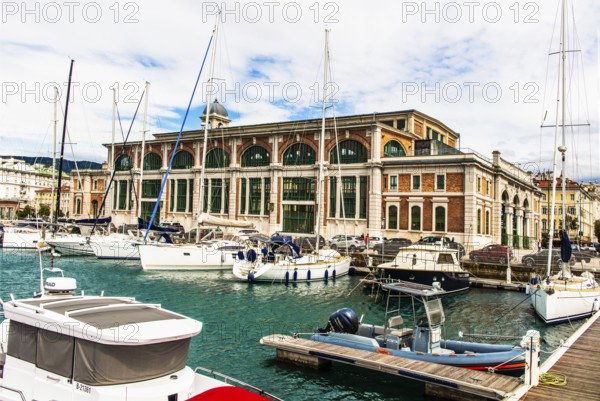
x=207, y=219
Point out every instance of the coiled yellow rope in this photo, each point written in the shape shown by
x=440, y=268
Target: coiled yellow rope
x=553, y=379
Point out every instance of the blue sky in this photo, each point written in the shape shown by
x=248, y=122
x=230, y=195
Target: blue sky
x=479, y=67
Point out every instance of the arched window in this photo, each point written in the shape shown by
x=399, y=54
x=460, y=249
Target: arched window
x=350, y=152
x=478, y=221
x=393, y=148
x=95, y=208
x=123, y=163
x=415, y=218
x=182, y=160
x=217, y=158
x=256, y=156
x=152, y=161
x=299, y=154
x=393, y=217
x=440, y=219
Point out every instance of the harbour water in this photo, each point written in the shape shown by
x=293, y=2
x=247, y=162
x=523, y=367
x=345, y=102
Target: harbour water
x=237, y=314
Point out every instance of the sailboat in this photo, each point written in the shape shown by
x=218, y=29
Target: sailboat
x=280, y=259
x=213, y=255
x=564, y=297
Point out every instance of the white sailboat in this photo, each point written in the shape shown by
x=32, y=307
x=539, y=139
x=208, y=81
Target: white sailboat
x=564, y=297
x=280, y=260
x=206, y=255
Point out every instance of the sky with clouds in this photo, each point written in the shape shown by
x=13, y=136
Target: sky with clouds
x=481, y=67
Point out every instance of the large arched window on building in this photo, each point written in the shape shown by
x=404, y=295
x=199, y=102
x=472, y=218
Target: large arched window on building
x=299, y=154
x=440, y=219
x=217, y=158
x=349, y=151
x=393, y=148
x=256, y=156
x=393, y=217
x=182, y=160
x=123, y=163
x=415, y=218
x=152, y=161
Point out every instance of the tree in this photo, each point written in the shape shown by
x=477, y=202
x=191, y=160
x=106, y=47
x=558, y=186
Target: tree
x=44, y=211
x=25, y=212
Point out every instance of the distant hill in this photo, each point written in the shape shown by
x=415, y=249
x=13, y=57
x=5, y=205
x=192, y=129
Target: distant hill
x=68, y=165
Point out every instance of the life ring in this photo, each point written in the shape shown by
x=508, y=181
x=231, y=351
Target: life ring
x=383, y=351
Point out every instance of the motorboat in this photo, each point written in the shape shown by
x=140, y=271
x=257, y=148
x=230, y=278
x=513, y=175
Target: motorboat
x=423, y=341
x=60, y=345
x=427, y=264
x=278, y=259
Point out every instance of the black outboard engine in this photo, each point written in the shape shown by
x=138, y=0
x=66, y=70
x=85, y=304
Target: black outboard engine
x=343, y=321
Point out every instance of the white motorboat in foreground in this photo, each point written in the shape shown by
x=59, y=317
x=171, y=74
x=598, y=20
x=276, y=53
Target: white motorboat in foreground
x=280, y=261
x=63, y=346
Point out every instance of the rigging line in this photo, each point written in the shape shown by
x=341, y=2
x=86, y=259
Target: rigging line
x=121, y=153
x=514, y=307
x=162, y=187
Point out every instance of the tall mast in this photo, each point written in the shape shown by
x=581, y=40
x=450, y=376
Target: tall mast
x=321, y=176
x=54, y=154
x=206, y=120
x=144, y=130
x=563, y=148
x=62, y=146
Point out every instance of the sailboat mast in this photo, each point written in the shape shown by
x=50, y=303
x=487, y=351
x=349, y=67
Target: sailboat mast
x=54, y=154
x=144, y=130
x=321, y=176
x=563, y=148
x=62, y=146
x=206, y=121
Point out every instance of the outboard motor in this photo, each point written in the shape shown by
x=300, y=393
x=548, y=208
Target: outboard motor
x=343, y=321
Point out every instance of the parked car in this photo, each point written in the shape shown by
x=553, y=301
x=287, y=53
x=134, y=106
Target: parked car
x=391, y=246
x=352, y=243
x=444, y=241
x=374, y=241
x=493, y=253
x=310, y=242
x=541, y=258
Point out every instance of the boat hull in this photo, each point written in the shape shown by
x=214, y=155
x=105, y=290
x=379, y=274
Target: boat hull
x=21, y=239
x=185, y=257
x=71, y=246
x=306, y=268
x=451, y=282
x=554, y=305
x=116, y=248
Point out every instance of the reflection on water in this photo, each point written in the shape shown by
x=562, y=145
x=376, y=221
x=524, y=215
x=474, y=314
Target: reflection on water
x=236, y=315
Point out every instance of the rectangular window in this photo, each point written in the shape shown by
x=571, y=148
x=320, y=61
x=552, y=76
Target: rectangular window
x=393, y=182
x=363, y=201
x=479, y=184
x=216, y=193
x=478, y=221
x=150, y=188
x=487, y=222
x=332, y=195
x=298, y=189
x=266, y=196
x=190, y=206
x=254, y=196
x=205, y=196
x=401, y=124
x=572, y=197
x=242, y=196
x=349, y=196
x=416, y=182
x=181, y=198
x=172, y=196
x=123, y=201
x=440, y=182
x=487, y=188
x=226, y=196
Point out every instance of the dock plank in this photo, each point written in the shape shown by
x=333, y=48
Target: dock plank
x=482, y=383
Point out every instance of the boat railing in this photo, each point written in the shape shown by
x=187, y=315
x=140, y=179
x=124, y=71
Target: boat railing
x=417, y=261
x=19, y=392
x=239, y=383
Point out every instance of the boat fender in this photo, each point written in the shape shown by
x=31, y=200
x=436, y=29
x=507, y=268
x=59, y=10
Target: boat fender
x=596, y=305
x=436, y=354
x=471, y=354
x=295, y=275
x=251, y=276
x=326, y=274
x=287, y=277
x=419, y=353
x=333, y=276
x=308, y=275
x=452, y=354
x=383, y=351
x=527, y=289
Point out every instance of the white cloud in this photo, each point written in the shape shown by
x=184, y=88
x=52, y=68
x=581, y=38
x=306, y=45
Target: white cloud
x=442, y=58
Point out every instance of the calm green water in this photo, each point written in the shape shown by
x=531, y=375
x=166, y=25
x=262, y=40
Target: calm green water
x=236, y=315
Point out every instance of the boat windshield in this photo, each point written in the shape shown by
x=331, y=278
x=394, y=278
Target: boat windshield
x=435, y=312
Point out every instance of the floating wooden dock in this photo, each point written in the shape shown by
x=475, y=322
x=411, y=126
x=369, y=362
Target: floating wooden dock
x=316, y=354
x=496, y=284
x=578, y=358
